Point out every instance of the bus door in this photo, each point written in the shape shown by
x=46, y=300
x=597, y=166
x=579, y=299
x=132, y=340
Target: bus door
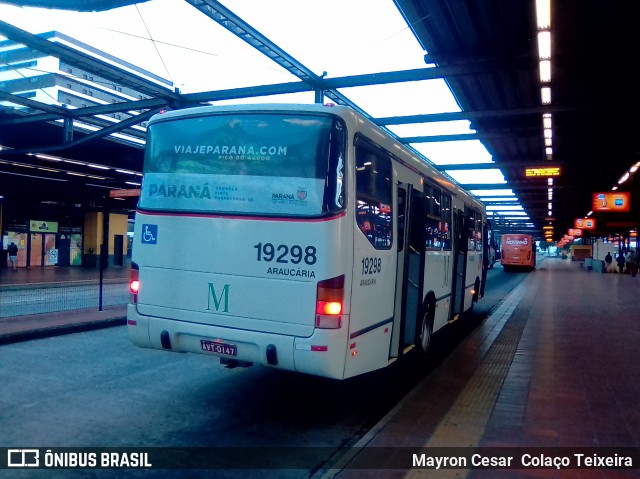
x=460, y=244
x=409, y=279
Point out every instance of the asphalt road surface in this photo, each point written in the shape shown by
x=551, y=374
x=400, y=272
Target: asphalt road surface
x=96, y=389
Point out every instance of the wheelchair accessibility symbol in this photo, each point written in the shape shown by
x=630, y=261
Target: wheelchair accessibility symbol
x=149, y=234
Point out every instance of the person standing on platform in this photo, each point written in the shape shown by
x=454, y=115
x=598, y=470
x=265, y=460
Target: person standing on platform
x=632, y=264
x=607, y=262
x=620, y=261
x=13, y=256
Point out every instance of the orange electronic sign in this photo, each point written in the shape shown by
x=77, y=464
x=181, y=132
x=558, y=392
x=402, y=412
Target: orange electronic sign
x=617, y=201
x=585, y=223
x=544, y=171
x=574, y=232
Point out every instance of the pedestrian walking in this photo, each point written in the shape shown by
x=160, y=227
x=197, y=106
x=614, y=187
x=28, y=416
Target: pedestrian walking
x=633, y=263
x=13, y=256
x=620, y=261
x=608, y=260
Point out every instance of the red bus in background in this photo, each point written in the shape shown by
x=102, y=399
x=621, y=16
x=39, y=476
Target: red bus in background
x=518, y=251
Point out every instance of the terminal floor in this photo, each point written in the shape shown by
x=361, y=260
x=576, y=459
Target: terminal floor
x=557, y=364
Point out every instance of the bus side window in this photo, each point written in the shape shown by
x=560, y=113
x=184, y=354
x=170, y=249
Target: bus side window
x=374, y=214
x=433, y=219
x=402, y=199
x=416, y=242
x=445, y=223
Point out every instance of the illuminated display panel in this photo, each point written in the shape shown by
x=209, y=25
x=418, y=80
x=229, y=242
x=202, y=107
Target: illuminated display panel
x=585, y=223
x=542, y=172
x=575, y=232
x=618, y=201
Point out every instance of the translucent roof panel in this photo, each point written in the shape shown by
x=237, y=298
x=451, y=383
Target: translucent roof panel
x=174, y=40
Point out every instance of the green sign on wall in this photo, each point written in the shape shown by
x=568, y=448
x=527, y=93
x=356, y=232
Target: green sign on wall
x=43, y=226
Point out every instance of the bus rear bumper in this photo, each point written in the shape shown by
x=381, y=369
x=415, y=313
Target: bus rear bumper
x=322, y=354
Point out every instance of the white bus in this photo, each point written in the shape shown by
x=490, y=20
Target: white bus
x=300, y=237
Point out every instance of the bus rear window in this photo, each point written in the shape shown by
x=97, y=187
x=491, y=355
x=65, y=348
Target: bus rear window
x=272, y=164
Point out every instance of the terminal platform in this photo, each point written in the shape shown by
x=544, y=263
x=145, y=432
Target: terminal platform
x=555, y=365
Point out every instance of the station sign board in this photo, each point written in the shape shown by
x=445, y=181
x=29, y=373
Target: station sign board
x=124, y=193
x=611, y=201
x=37, y=226
x=541, y=172
x=585, y=223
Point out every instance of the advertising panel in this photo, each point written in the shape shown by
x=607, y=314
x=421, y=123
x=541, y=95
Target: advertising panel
x=574, y=232
x=36, y=226
x=585, y=223
x=617, y=201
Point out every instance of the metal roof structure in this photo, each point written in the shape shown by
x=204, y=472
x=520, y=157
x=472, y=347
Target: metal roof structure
x=486, y=51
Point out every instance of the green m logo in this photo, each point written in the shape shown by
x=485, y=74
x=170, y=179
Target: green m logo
x=218, y=300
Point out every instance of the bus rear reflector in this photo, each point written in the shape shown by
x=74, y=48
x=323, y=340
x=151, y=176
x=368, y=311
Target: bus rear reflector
x=329, y=303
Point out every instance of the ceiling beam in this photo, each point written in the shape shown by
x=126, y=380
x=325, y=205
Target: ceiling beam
x=236, y=25
x=122, y=125
x=58, y=111
x=466, y=115
x=500, y=164
x=75, y=5
x=509, y=186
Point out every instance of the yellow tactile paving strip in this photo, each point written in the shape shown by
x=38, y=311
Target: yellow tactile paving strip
x=464, y=424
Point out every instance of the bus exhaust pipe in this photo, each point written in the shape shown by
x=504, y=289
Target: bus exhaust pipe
x=234, y=363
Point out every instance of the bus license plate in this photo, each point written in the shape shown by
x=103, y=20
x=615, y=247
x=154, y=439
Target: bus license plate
x=219, y=348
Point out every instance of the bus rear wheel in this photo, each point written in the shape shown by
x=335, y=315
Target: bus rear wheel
x=425, y=328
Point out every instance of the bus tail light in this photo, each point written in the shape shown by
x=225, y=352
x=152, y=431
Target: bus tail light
x=134, y=282
x=529, y=256
x=330, y=303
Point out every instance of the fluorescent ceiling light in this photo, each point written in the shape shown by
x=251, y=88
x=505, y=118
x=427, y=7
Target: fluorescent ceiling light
x=501, y=199
x=494, y=176
x=544, y=45
x=509, y=208
x=545, y=71
x=546, y=95
x=497, y=192
x=47, y=157
x=543, y=13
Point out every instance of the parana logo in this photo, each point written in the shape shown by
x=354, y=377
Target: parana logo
x=282, y=197
x=180, y=191
x=299, y=197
